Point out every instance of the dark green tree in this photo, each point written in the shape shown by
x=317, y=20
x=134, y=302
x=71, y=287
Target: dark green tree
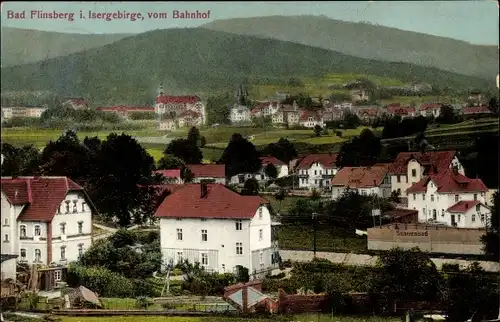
x=194, y=136
x=271, y=171
x=282, y=150
x=185, y=150
x=20, y=161
x=317, y=130
x=169, y=162
x=360, y=151
x=240, y=156
x=250, y=188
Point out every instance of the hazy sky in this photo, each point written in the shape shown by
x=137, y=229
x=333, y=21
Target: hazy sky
x=472, y=21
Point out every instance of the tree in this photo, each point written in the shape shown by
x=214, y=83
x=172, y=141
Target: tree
x=317, y=130
x=186, y=174
x=280, y=196
x=185, y=150
x=17, y=162
x=491, y=238
x=407, y=276
x=282, y=150
x=218, y=109
x=447, y=115
x=271, y=171
x=494, y=106
x=251, y=188
x=194, y=136
x=361, y=151
x=350, y=121
x=170, y=162
x=240, y=156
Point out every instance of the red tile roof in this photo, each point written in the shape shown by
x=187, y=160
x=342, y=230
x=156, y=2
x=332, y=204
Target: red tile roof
x=463, y=206
x=305, y=115
x=208, y=170
x=171, y=173
x=166, y=99
x=476, y=110
x=360, y=177
x=439, y=159
x=122, y=108
x=219, y=203
x=42, y=195
x=430, y=106
x=327, y=160
x=370, y=111
x=449, y=182
x=400, y=110
x=271, y=160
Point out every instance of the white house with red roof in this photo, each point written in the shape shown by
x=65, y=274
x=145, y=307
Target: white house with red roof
x=410, y=167
x=216, y=227
x=281, y=167
x=310, y=119
x=475, y=110
x=208, y=173
x=403, y=111
x=450, y=198
x=430, y=109
x=45, y=220
x=177, y=106
x=364, y=180
x=317, y=170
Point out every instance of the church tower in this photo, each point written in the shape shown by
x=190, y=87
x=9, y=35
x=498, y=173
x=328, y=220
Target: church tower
x=160, y=90
x=241, y=95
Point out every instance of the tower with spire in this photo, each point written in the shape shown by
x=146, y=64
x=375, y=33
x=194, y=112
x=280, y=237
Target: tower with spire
x=241, y=95
x=160, y=90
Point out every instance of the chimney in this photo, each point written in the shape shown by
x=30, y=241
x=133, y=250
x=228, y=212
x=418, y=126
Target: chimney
x=204, y=190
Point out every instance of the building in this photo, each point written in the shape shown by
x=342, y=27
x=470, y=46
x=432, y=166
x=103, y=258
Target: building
x=167, y=125
x=45, y=220
x=364, y=180
x=332, y=113
x=209, y=173
x=410, y=167
x=450, y=198
x=77, y=103
x=172, y=175
x=216, y=227
x=190, y=118
x=401, y=111
x=265, y=109
x=310, y=119
x=433, y=109
x=317, y=170
x=239, y=114
x=22, y=112
x=281, y=167
x=367, y=113
x=173, y=106
x=475, y=110
x=125, y=111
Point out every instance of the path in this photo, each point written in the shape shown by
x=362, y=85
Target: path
x=107, y=231
x=368, y=260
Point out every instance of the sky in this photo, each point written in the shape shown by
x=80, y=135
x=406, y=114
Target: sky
x=472, y=21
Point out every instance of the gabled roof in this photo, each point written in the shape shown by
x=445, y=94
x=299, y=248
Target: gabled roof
x=327, y=160
x=208, y=170
x=430, y=106
x=439, y=159
x=449, y=182
x=360, y=177
x=166, y=99
x=476, y=110
x=463, y=206
x=170, y=173
x=41, y=195
x=271, y=160
x=219, y=203
x=306, y=114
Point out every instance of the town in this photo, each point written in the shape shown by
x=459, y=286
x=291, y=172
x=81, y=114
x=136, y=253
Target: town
x=274, y=168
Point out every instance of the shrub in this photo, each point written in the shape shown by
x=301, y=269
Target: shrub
x=100, y=280
x=143, y=302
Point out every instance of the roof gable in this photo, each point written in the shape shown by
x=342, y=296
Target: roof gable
x=327, y=160
x=360, y=177
x=441, y=160
x=449, y=182
x=208, y=170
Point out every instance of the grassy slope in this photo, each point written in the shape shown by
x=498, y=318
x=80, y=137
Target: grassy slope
x=370, y=41
x=22, y=46
x=128, y=71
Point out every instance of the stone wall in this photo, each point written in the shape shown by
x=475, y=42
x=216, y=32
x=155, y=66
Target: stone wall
x=296, y=304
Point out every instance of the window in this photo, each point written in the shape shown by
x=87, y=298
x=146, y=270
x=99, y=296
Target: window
x=239, y=248
x=261, y=234
x=459, y=217
x=6, y=222
x=6, y=238
x=315, y=172
x=80, y=250
x=67, y=206
x=239, y=225
x=23, y=253
x=80, y=227
x=398, y=179
x=260, y=213
x=63, y=253
x=456, y=198
x=432, y=197
x=478, y=208
x=38, y=231
x=475, y=197
x=75, y=206
x=179, y=234
x=83, y=206
x=413, y=172
x=22, y=231
x=57, y=276
x=434, y=214
x=473, y=218
x=414, y=196
x=63, y=228
x=204, y=235
x=38, y=255
x=204, y=259
x=482, y=217
x=423, y=197
x=179, y=257
x=261, y=258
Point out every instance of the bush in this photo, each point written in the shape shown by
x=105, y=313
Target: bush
x=100, y=280
x=143, y=302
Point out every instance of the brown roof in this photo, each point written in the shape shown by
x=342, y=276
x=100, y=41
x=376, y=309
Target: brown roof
x=327, y=160
x=448, y=182
x=360, y=177
x=43, y=195
x=439, y=159
x=463, y=206
x=219, y=202
x=208, y=170
x=271, y=160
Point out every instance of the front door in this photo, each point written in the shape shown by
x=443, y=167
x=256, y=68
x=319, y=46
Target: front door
x=453, y=222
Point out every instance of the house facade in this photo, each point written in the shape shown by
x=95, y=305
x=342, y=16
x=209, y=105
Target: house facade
x=173, y=106
x=410, y=167
x=239, y=114
x=364, y=180
x=310, y=119
x=430, y=109
x=281, y=167
x=315, y=171
x=218, y=228
x=211, y=173
x=167, y=125
x=451, y=199
x=45, y=220
x=22, y=112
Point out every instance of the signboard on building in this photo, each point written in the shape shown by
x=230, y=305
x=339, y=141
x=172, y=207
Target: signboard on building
x=411, y=236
